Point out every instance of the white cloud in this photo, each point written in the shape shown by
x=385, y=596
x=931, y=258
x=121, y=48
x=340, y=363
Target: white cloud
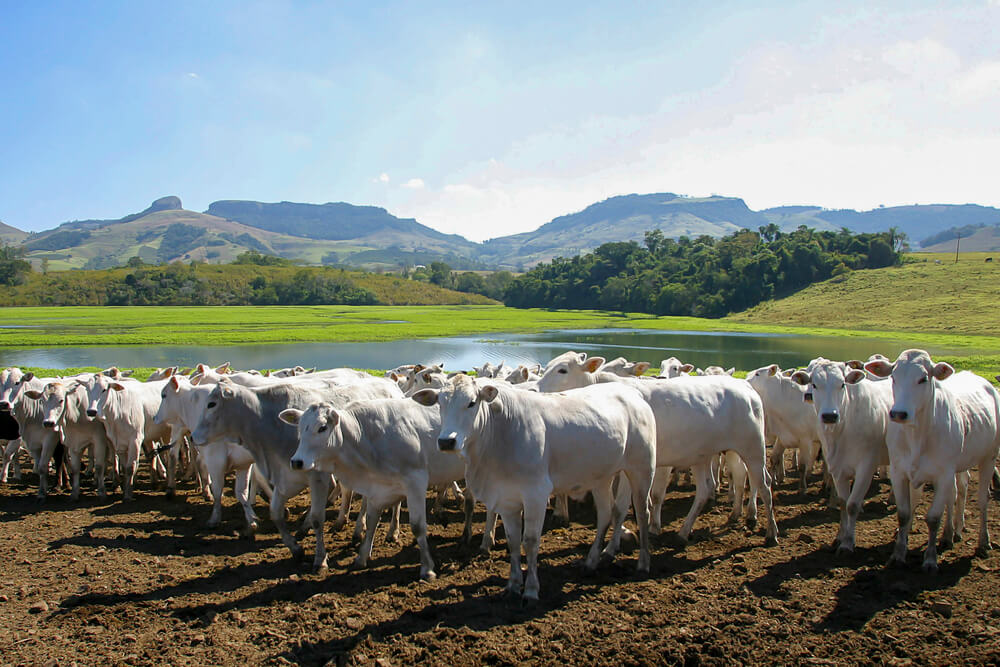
x=192, y=75
x=414, y=184
x=979, y=82
x=381, y=178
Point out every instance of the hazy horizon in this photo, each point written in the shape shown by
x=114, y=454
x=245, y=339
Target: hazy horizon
x=486, y=121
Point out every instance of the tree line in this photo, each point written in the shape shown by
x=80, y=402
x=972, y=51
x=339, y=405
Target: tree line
x=704, y=276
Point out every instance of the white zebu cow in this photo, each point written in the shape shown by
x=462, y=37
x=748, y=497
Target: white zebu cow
x=625, y=368
x=942, y=423
x=673, y=367
x=714, y=370
x=181, y=405
x=697, y=418
x=249, y=415
x=387, y=451
x=851, y=414
x=40, y=441
x=64, y=406
x=127, y=410
x=788, y=420
x=520, y=447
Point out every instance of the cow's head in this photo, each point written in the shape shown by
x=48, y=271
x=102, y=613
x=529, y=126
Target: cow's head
x=914, y=379
x=13, y=387
x=170, y=399
x=569, y=371
x=319, y=436
x=53, y=402
x=211, y=423
x=672, y=367
x=463, y=402
x=828, y=380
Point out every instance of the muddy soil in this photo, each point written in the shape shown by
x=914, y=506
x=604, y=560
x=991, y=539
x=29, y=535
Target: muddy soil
x=144, y=582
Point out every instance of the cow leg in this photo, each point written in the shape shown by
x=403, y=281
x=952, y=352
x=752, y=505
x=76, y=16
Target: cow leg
x=511, y=515
x=737, y=487
x=241, y=487
x=346, y=495
x=373, y=509
x=278, y=502
x=958, y=512
x=534, y=519
x=75, y=463
x=904, y=493
x=985, y=473
x=640, y=481
x=415, y=498
x=852, y=508
x=131, y=467
x=469, y=502
x=173, y=457
x=49, y=445
x=99, y=461
x=489, y=533
x=603, y=506
x=760, y=484
x=319, y=489
x=560, y=515
x=809, y=452
x=360, y=524
x=702, y=474
x=392, y=536
x=656, y=494
x=777, y=461
x=944, y=494
x=214, y=457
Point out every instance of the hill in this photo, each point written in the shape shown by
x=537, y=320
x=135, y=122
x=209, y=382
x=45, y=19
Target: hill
x=11, y=235
x=950, y=297
x=978, y=239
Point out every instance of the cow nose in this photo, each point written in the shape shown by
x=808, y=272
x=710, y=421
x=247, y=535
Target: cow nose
x=446, y=444
x=808, y=397
x=5, y=406
x=898, y=415
x=48, y=423
x=298, y=464
x=830, y=417
x=91, y=413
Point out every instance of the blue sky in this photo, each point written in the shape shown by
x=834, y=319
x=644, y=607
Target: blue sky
x=492, y=118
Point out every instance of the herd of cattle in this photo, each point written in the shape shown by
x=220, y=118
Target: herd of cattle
x=520, y=437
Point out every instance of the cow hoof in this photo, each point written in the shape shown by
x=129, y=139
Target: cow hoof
x=483, y=554
x=529, y=602
x=752, y=523
x=945, y=545
x=392, y=538
x=844, y=550
x=298, y=554
x=895, y=562
x=301, y=533
x=771, y=541
x=929, y=567
x=982, y=552
x=430, y=575
x=676, y=541
x=628, y=543
x=321, y=568
x=558, y=522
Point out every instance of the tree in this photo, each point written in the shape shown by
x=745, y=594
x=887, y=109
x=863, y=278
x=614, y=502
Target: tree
x=12, y=265
x=440, y=274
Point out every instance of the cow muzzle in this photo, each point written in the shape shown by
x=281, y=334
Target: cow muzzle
x=899, y=416
x=4, y=406
x=48, y=423
x=830, y=417
x=447, y=444
x=91, y=413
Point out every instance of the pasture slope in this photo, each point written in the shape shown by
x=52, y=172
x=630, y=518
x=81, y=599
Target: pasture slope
x=144, y=583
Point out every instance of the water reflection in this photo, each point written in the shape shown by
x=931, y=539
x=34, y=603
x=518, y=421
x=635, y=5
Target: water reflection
x=745, y=351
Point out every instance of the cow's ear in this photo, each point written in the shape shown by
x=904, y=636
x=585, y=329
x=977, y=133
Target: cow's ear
x=175, y=382
x=330, y=414
x=426, y=376
x=117, y=386
x=773, y=369
x=591, y=365
x=169, y=372
x=392, y=376
x=426, y=397
x=27, y=377
x=418, y=367
x=855, y=364
x=854, y=376
x=223, y=369
x=196, y=379
x=687, y=368
x=942, y=370
x=801, y=377
x=523, y=372
x=730, y=371
x=640, y=368
x=33, y=394
x=202, y=368
x=186, y=371
x=488, y=393
x=290, y=416
x=879, y=368
x=582, y=356
x=226, y=390
x=310, y=370
x=788, y=372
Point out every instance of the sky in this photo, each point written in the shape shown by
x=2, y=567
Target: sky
x=487, y=119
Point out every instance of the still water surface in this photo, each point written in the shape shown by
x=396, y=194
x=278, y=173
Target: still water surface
x=744, y=351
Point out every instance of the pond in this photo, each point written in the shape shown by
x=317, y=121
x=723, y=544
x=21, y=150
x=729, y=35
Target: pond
x=744, y=351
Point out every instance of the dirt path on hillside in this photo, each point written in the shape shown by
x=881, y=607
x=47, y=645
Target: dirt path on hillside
x=100, y=583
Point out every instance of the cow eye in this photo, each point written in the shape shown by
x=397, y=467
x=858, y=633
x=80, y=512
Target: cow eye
x=562, y=370
x=472, y=404
x=321, y=428
x=814, y=385
x=211, y=404
x=843, y=384
x=922, y=380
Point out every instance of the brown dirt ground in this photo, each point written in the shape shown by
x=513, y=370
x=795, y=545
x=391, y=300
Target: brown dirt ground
x=145, y=583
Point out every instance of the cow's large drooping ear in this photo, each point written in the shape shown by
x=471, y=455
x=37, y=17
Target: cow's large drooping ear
x=879, y=368
x=854, y=376
x=801, y=377
x=592, y=364
x=174, y=381
x=33, y=394
x=290, y=416
x=117, y=386
x=942, y=370
x=488, y=393
x=687, y=368
x=640, y=368
x=426, y=397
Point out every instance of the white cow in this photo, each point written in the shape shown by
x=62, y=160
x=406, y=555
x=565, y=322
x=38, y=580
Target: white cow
x=625, y=368
x=40, y=441
x=673, y=367
x=851, y=413
x=127, y=410
x=63, y=406
x=715, y=370
x=387, y=451
x=697, y=418
x=942, y=423
x=520, y=447
x=788, y=420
